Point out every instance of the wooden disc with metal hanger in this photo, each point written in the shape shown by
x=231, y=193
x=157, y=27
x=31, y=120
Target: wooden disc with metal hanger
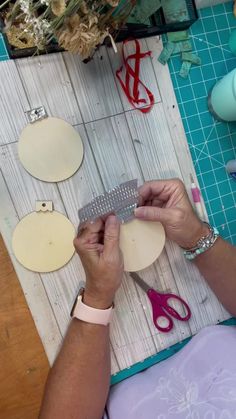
x=43, y=240
x=50, y=149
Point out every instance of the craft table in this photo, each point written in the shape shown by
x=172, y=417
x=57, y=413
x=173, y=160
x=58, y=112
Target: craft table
x=88, y=97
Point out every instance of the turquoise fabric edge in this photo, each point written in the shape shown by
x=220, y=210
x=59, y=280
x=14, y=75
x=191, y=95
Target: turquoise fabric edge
x=152, y=360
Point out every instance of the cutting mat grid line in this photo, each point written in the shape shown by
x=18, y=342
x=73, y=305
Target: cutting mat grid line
x=3, y=50
x=212, y=143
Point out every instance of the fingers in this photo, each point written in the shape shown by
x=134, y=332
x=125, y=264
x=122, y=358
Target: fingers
x=153, y=214
x=150, y=190
x=111, y=236
x=160, y=189
x=89, y=235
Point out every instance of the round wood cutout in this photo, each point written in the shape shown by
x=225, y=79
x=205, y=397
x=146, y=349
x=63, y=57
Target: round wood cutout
x=43, y=241
x=50, y=150
x=141, y=243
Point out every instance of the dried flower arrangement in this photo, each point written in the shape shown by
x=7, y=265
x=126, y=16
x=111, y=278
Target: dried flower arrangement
x=78, y=26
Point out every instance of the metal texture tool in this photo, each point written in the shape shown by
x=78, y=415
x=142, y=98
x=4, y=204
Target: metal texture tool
x=121, y=201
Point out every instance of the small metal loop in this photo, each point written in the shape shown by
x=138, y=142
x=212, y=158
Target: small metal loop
x=36, y=114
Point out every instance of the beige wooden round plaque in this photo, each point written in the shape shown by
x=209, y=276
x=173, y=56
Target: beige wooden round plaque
x=141, y=243
x=50, y=149
x=43, y=241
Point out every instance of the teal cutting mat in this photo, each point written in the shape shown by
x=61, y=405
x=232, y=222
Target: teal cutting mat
x=3, y=51
x=211, y=143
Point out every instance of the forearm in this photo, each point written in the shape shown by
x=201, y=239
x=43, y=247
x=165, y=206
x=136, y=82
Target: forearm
x=78, y=384
x=218, y=267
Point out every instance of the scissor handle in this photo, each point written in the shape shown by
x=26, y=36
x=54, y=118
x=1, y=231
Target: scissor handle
x=160, y=308
x=158, y=312
x=170, y=310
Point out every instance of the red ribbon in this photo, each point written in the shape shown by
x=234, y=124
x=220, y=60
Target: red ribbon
x=134, y=96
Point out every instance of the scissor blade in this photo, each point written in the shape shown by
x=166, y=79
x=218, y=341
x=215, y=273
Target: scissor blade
x=139, y=281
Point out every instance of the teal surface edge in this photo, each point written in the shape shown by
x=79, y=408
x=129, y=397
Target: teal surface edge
x=160, y=356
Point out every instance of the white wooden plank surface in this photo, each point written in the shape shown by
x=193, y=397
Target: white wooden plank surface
x=94, y=85
x=111, y=137
x=46, y=82
x=61, y=287
x=13, y=103
x=154, y=146
x=24, y=191
x=172, y=113
x=136, y=331
x=153, y=143
x=31, y=283
x=113, y=149
x=118, y=146
x=84, y=185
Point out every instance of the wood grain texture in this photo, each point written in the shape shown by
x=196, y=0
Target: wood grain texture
x=46, y=83
x=152, y=141
x=33, y=288
x=119, y=145
x=111, y=137
x=60, y=287
x=24, y=365
x=94, y=85
x=13, y=103
x=84, y=185
x=24, y=187
x=172, y=114
x=154, y=146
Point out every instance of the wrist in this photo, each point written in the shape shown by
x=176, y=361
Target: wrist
x=195, y=233
x=101, y=302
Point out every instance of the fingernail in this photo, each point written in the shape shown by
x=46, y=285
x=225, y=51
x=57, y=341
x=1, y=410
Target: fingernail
x=139, y=212
x=112, y=220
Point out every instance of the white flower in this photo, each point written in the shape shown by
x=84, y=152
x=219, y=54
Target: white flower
x=25, y=6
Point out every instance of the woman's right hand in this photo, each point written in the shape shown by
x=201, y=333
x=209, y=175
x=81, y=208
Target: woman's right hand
x=167, y=201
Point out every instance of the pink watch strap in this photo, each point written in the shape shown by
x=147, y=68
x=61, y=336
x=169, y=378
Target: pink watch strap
x=90, y=314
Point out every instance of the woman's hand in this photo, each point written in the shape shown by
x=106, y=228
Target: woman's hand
x=98, y=248
x=167, y=201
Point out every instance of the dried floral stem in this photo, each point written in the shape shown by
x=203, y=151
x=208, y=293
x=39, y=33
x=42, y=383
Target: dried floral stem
x=79, y=26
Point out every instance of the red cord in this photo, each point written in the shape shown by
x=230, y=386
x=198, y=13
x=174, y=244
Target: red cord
x=134, y=96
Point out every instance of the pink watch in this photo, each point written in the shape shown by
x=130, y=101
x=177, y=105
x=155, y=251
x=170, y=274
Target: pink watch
x=89, y=314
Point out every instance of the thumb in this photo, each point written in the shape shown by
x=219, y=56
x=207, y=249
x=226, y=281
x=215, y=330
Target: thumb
x=153, y=214
x=111, y=235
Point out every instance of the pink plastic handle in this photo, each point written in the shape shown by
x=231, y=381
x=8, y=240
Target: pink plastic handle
x=161, y=308
x=196, y=195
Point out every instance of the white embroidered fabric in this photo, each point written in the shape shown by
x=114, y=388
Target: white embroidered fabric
x=199, y=382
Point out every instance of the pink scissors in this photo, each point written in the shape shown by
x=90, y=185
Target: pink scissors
x=160, y=306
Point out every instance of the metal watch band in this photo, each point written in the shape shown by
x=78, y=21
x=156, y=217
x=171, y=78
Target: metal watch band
x=203, y=244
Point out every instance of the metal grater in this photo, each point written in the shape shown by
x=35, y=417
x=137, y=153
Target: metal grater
x=121, y=201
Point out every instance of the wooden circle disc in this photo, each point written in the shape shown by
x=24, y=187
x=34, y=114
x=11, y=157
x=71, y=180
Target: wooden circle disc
x=50, y=150
x=141, y=243
x=43, y=241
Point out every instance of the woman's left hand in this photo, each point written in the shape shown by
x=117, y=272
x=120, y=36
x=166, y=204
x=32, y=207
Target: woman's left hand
x=98, y=247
